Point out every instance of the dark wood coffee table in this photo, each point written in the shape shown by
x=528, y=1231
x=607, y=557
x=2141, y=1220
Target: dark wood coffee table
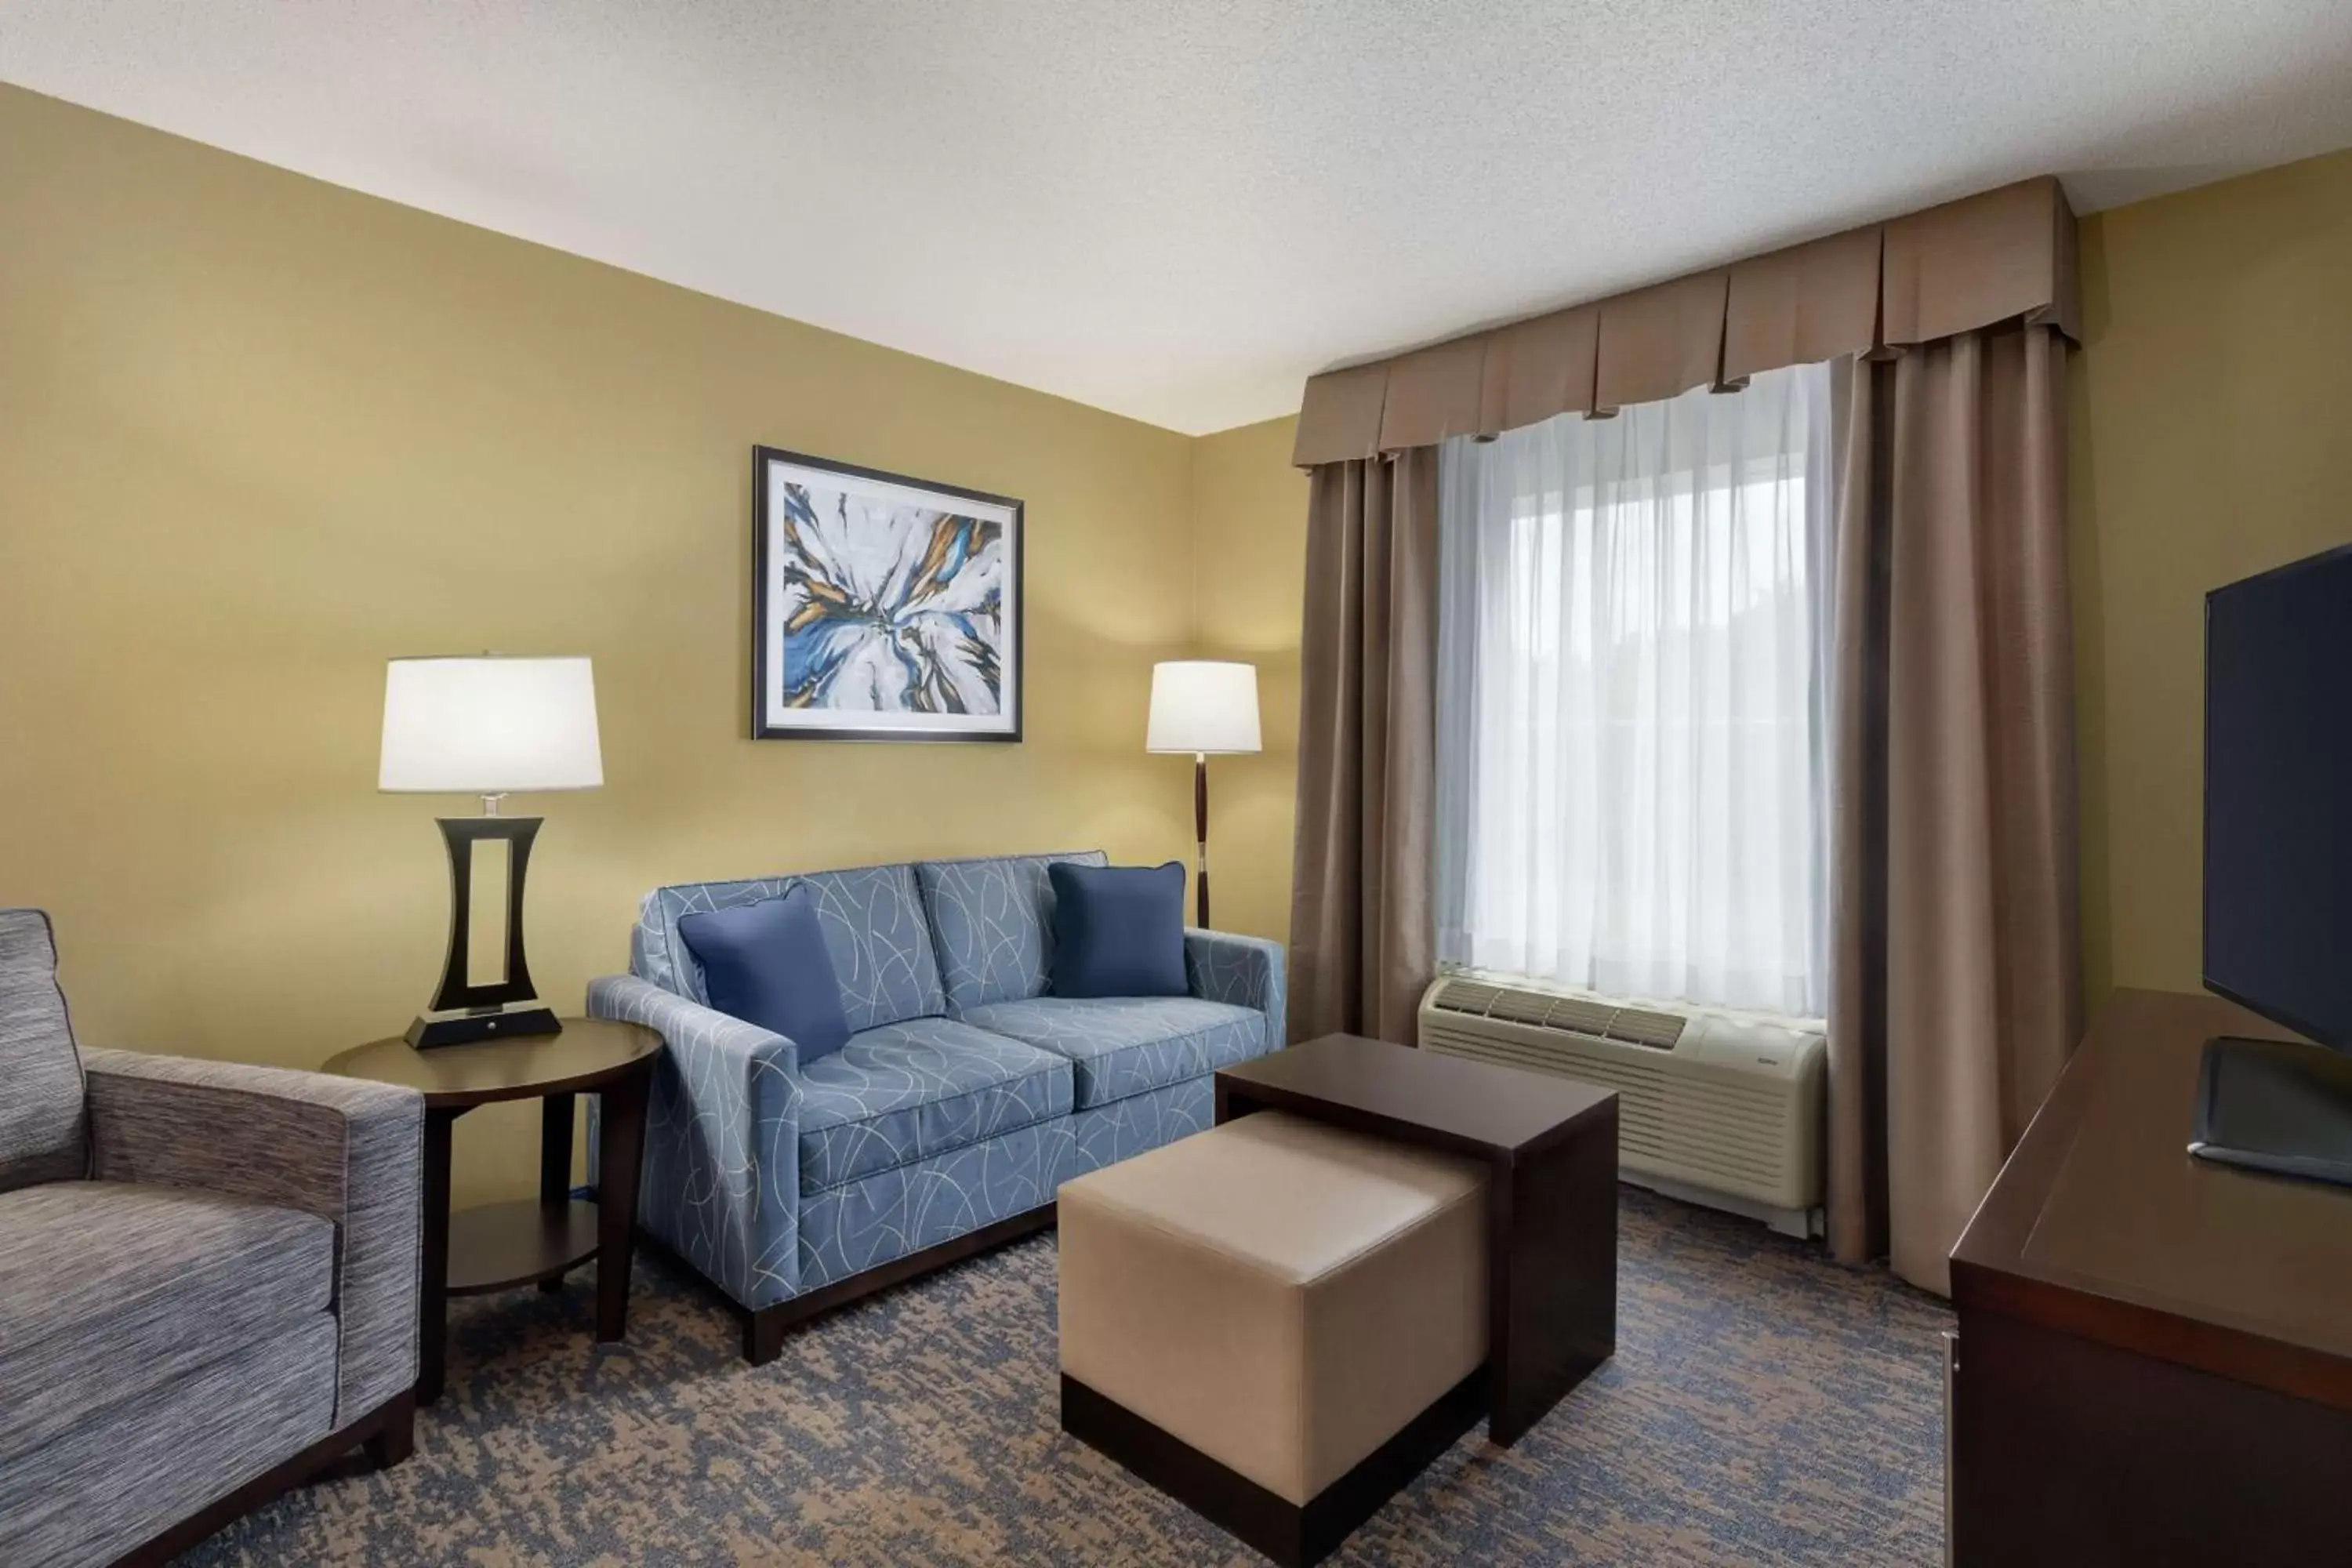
x=502, y=1246
x=1551, y=1198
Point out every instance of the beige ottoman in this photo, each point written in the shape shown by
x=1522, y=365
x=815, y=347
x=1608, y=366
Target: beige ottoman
x=1276, y=1321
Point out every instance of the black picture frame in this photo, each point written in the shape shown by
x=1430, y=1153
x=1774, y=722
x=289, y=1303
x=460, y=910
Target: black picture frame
x=766, y=681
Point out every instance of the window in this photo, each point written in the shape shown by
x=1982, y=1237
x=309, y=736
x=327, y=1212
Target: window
x=1631, y=715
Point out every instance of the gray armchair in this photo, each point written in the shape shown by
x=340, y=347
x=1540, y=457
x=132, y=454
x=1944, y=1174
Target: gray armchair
x=208, y=1281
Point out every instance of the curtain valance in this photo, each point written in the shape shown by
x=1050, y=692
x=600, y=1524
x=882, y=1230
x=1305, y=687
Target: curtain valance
x=1994, y=256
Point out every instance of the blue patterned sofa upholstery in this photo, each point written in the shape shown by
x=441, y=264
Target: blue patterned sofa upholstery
x=964, y=1098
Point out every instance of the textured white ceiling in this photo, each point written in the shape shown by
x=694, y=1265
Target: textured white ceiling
x=1177, y=211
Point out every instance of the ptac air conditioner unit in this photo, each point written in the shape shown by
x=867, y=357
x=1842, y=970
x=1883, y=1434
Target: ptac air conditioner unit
x=1722, y=1109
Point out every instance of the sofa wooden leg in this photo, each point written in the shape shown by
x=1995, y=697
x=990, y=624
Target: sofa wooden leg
x=396, y=1438
x=764, y=1334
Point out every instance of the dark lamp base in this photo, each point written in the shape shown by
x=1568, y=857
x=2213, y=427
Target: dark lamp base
x=462, y=1011
x=464, y=1028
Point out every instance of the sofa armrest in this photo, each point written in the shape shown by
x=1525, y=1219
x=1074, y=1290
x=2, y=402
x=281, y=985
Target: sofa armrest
x=1244, y=970
x=721, y=1180
x=347, y=1149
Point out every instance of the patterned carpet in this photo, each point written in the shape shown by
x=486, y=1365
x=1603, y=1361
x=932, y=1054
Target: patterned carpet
x=1765, y=1407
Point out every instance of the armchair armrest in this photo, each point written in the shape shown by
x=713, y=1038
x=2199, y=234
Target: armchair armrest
x=1243, y=971
x=721, y=1179
x=349, y=1150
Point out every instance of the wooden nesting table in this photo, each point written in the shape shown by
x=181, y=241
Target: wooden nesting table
x=1551, y=1146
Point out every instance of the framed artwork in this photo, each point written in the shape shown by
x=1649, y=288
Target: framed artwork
x=884, y=607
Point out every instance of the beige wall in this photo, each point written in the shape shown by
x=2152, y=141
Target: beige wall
x=1249, y=510
x=2213, y=420
x=258, y=433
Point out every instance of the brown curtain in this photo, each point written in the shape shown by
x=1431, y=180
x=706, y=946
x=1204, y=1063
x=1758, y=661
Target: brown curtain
x=2003, y=254
x=1956, y=995
x=1362, y=923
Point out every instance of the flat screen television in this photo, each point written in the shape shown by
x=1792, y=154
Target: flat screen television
x=2278, y=867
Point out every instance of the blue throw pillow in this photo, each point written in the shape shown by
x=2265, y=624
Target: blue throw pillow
x=766, y=964
x=1118, y=931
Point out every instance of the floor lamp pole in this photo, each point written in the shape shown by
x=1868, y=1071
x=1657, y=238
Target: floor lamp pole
x=1200, y=834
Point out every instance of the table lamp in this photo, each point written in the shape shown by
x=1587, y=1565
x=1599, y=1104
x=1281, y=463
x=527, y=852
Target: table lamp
x=490, y=727
x=1209, y=708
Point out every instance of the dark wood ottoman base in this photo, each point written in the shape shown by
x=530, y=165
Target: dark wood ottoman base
x=1292, y=1535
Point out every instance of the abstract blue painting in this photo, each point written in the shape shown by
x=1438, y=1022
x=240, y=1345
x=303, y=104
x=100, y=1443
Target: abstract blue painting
x=885, y=608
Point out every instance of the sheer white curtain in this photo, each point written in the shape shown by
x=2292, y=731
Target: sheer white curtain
x=1632, y=647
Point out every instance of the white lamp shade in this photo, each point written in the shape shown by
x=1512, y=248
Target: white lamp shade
x=1203, y=705
x=489, y=726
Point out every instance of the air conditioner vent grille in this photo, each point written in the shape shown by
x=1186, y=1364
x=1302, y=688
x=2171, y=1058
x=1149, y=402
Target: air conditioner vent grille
x=1714, y=1101
x=1565, y=1014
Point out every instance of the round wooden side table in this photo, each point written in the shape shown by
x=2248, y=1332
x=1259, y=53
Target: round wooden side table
x=501, y=1245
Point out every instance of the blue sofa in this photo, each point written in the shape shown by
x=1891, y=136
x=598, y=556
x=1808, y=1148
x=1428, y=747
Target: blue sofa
x=965, y=1097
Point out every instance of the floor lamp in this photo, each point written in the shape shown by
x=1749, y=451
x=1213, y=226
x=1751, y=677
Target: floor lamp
x=1209, y=708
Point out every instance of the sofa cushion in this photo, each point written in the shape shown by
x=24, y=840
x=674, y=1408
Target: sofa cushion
x=874, y=930
x=1118, y=931
x=1105, y=1134
x=115, y=1287
x=907, y=1091
x=1121, y=1046
x=992, y=923
x=766, y=964
x=40, y=1072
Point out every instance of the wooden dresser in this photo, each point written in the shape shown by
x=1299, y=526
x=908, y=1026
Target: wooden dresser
x=2154, y=1362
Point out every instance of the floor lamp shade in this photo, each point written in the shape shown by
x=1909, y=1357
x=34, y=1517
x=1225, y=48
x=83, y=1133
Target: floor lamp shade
x=1206, y=707
x=490, y=727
